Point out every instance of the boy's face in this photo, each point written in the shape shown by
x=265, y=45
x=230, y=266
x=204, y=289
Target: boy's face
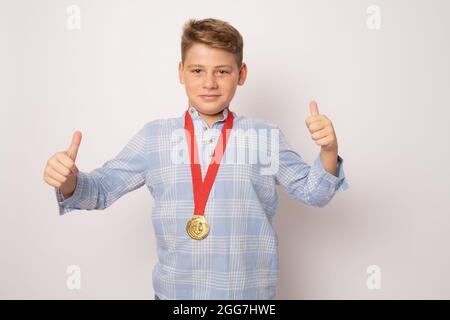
x=210, y=71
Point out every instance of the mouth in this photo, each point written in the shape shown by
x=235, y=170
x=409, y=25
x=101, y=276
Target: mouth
x=210, y=97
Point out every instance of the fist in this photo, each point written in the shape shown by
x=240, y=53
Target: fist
x=321, y=129
x=60, y=170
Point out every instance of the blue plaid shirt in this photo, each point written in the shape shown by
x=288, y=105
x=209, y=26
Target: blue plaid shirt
x=239, y=258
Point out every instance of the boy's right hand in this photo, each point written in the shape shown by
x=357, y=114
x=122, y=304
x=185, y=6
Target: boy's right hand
x=61, y=171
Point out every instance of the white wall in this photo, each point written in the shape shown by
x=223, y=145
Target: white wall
x=386, y=91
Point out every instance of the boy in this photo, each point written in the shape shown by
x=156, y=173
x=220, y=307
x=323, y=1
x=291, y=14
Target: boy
x=212, y=216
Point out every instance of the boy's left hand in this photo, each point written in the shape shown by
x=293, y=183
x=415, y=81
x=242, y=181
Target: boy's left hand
x=321, y=129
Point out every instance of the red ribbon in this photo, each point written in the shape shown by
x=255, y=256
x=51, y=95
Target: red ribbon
x=202, y=189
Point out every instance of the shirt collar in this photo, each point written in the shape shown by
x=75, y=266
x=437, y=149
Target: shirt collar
x=195, y=116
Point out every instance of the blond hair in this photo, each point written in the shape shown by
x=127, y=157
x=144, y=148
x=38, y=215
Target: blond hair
x=214, y=33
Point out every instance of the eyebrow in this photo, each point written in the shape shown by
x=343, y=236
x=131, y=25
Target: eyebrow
x=199, y=65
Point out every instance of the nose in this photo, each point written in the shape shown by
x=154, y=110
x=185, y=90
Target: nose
x=210, y=82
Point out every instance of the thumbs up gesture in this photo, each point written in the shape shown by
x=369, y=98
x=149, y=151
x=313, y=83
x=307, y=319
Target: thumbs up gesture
x=74, y=145
x=321, y=129
x=61, y=171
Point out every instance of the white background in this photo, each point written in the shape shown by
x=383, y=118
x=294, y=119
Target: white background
x=386, y=91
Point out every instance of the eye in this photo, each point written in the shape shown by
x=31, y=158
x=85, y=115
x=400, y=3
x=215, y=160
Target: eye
x=195, y=70
x=223, y=71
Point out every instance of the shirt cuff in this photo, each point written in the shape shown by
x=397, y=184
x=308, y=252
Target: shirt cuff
x=66, y=205
x=340, y=181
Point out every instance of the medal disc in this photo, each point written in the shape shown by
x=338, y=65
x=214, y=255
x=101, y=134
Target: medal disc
x=197, y=227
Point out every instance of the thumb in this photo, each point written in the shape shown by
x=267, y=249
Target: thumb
x=314, y=108
x=75, y=144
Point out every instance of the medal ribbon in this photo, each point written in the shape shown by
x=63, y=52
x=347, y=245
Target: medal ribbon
x=202, y=189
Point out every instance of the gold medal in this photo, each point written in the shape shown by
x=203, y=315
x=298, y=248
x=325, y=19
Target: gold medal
x=197, y=227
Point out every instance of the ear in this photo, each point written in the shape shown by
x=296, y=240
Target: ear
x=180, y=72
x=242, y=74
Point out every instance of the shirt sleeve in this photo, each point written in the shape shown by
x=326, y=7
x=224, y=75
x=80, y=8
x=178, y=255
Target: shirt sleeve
x=101, y=187
x=311, y=185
